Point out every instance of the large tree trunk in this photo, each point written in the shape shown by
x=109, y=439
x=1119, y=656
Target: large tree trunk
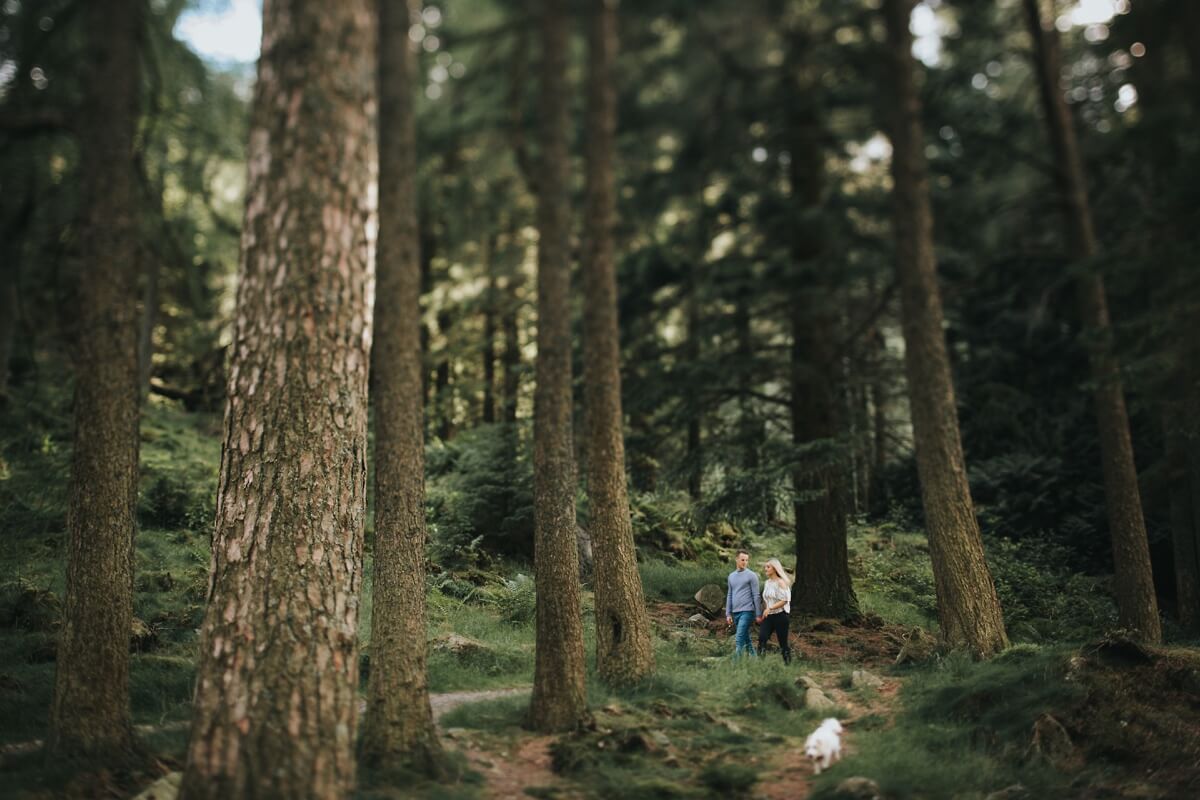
x=398, y=727
x=275, y=710
x=968, y=609
x=623, y=651
x=1136, y=601
x=823, y=584
x=90, y=711
x=559, y=698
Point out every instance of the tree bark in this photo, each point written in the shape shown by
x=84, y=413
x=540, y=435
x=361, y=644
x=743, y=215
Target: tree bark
x=1136, y=601
x=968, y=608
x=90, y=713
x=9, y=272
x=822, y=581
x=398, y=727
x=624, y=654
x=275, y=709
x=559, y=699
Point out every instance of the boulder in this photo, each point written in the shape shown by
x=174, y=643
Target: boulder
x=699, y=620
x=807, y=683
x=818, y=701
x=860, y=678
x=711, y=599
x=858, y=788
x=457, y=645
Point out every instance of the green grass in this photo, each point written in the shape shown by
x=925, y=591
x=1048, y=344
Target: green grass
x=678, y=582
x=962, y=728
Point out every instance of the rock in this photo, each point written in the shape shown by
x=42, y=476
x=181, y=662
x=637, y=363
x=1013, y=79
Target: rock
x=711, y=598
x=165, y=788
x=458, y=645
x=807, y=683
x=858, y=788
x=1014, y=792
x=699, y=620
x=818, y=701
x=660, y=739
x=455, y=733
x=860, y=678
x=918, y=647
x=1050, y=742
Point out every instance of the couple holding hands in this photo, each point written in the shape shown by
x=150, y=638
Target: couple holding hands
x=770, y=610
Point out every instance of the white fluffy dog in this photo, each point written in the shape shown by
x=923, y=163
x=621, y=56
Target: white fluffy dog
x=824, y=745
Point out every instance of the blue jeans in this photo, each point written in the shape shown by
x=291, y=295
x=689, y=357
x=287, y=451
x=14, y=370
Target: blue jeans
x=741, y=624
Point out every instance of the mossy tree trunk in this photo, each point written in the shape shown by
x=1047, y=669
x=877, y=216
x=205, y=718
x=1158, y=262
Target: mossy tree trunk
x=399, y=724
x=559, y=699
x=968, y=608
x=275, y=708
x=90, y=713
x=1136, y=602
x=623, y=651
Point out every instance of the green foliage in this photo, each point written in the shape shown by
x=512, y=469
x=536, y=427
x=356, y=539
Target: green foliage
x=480, y=496
x=516, y=600
x=729, y=778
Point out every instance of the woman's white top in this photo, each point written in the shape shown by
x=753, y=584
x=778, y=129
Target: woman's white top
x=773, y=592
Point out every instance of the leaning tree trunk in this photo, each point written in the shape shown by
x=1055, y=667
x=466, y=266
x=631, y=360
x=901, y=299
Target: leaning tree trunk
x=823, y=584
x=968, y=608
x=1136, y=601
x=398, y=727
x=90, y=711
x=489, y=331
x=623, y=652
x=275, y=710
x=559, y=699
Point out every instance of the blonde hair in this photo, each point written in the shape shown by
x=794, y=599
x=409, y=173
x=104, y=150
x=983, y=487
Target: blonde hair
x=780, y=572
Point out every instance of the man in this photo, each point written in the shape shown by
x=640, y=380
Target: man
x=743, y=603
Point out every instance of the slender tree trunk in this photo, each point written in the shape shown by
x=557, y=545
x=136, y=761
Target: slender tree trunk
x=148, y=321
x=275, y=711
x=398, y=727
x=1185, y=536
x=822, y=586
x=968, y=609
x=1136, y=601
x=9, y=272
x=443, y=391
x=489, y=331
x=511, y=383
x=623, y=651
x=559, y=698
x=90, y=713
x=695, y=451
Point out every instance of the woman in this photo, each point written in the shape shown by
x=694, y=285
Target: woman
x=777, y=596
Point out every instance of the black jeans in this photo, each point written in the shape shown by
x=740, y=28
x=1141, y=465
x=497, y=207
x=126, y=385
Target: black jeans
x=777, y=624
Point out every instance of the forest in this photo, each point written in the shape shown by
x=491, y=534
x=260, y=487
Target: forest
x=407, y=400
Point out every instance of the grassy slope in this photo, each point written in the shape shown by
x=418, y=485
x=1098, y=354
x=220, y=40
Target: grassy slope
x=959, y=728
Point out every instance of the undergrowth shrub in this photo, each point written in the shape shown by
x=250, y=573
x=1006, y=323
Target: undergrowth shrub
x=480, y=496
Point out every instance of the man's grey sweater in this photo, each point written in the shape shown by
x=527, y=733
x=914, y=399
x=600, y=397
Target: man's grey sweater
x=743, y=593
